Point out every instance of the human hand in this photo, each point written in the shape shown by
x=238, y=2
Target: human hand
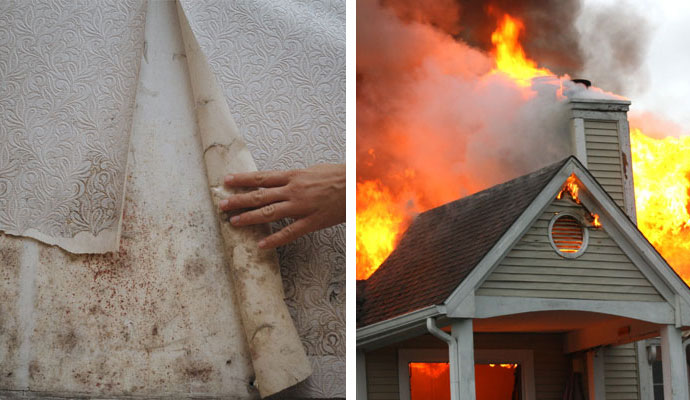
x=314, y=197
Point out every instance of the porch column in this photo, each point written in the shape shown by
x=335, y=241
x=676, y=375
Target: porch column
x=595, y=374
x=673, y=364
x=463, y=374
x=361, y=372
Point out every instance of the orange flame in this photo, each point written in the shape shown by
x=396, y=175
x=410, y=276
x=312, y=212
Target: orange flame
x=661, y=170
x=570, y=187
x=596, y=222
x=510, y=57
x=378, y=226
x=661, y=174
x=432, y=370
x=380, y=221
x=509, y=366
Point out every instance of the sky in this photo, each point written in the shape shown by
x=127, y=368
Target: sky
x=667, y=91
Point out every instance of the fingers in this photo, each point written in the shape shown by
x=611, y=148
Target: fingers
x=288, y=234
x=269, y=213
x=259, y=179
x=256, y=198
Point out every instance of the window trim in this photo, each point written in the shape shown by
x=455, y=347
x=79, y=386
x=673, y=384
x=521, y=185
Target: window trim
x=524, y=357
x=585, y=234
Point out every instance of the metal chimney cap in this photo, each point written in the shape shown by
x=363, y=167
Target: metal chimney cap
x=585, y=82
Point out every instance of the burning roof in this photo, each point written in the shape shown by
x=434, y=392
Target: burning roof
x=443, y=245
x=446, y=93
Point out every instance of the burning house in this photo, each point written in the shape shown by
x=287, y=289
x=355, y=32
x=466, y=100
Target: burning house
x=552, y=285
x=541, y=287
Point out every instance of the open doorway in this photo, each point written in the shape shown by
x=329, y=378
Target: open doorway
x=429, y=380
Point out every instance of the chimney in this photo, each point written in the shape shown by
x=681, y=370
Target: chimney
x=601, y=141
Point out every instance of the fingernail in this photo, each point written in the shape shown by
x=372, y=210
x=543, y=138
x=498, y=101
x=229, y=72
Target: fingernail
x=224, y=203
x=235, y=219
x=229, y=178
x=262, y=243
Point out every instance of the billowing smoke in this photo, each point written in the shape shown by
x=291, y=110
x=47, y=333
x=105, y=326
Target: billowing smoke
x=433, y=123
x=615, y=40
x=553, y=38
x=605, y=43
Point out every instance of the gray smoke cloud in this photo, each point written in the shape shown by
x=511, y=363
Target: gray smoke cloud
x=433, y=124
x=604, y=43
x=615, y=40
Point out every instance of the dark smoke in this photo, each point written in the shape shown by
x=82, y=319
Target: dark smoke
x=607, y=45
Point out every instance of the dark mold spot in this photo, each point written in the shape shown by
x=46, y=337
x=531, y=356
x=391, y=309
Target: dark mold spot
x=34, y=370
x=195, y=267
x=67, y=341
x=9, y=261
x=154, y=331
x=228, y=362
x=200, y=372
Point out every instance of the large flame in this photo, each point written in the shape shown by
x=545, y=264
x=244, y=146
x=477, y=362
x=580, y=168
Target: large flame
x=380, y=217
x=509, y=55
x=379, y=223
x=661, y=169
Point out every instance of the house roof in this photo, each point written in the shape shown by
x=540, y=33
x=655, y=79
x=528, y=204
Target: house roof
x=443, y=245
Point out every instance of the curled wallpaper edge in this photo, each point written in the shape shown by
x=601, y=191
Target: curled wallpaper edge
x=81, y=243
x=277, y=353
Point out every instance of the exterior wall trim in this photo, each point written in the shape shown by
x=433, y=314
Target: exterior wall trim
x=495, y=306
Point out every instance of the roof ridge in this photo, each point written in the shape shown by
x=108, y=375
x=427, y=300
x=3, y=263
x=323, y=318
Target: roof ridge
x=492, y=189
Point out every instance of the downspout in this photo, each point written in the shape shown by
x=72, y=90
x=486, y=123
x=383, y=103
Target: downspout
x=452, y=355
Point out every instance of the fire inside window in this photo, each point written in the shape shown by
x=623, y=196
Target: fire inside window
x=567, y=235
x=493, y=381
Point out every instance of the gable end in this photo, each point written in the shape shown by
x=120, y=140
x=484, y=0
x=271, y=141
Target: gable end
x=532, y=268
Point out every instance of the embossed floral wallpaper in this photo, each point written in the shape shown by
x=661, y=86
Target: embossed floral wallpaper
x=86, y=160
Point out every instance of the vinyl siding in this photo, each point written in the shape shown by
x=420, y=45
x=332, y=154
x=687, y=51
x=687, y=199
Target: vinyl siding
x=532, y=268
x=621, y=378
x=382, y=374
x=604, y=156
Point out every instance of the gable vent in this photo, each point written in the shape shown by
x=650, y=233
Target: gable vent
x=567, y=235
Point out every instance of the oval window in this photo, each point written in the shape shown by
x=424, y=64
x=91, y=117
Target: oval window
x=568, y=236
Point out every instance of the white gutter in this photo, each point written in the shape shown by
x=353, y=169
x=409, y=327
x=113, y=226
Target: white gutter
x=390, y=330
x=452, y=355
